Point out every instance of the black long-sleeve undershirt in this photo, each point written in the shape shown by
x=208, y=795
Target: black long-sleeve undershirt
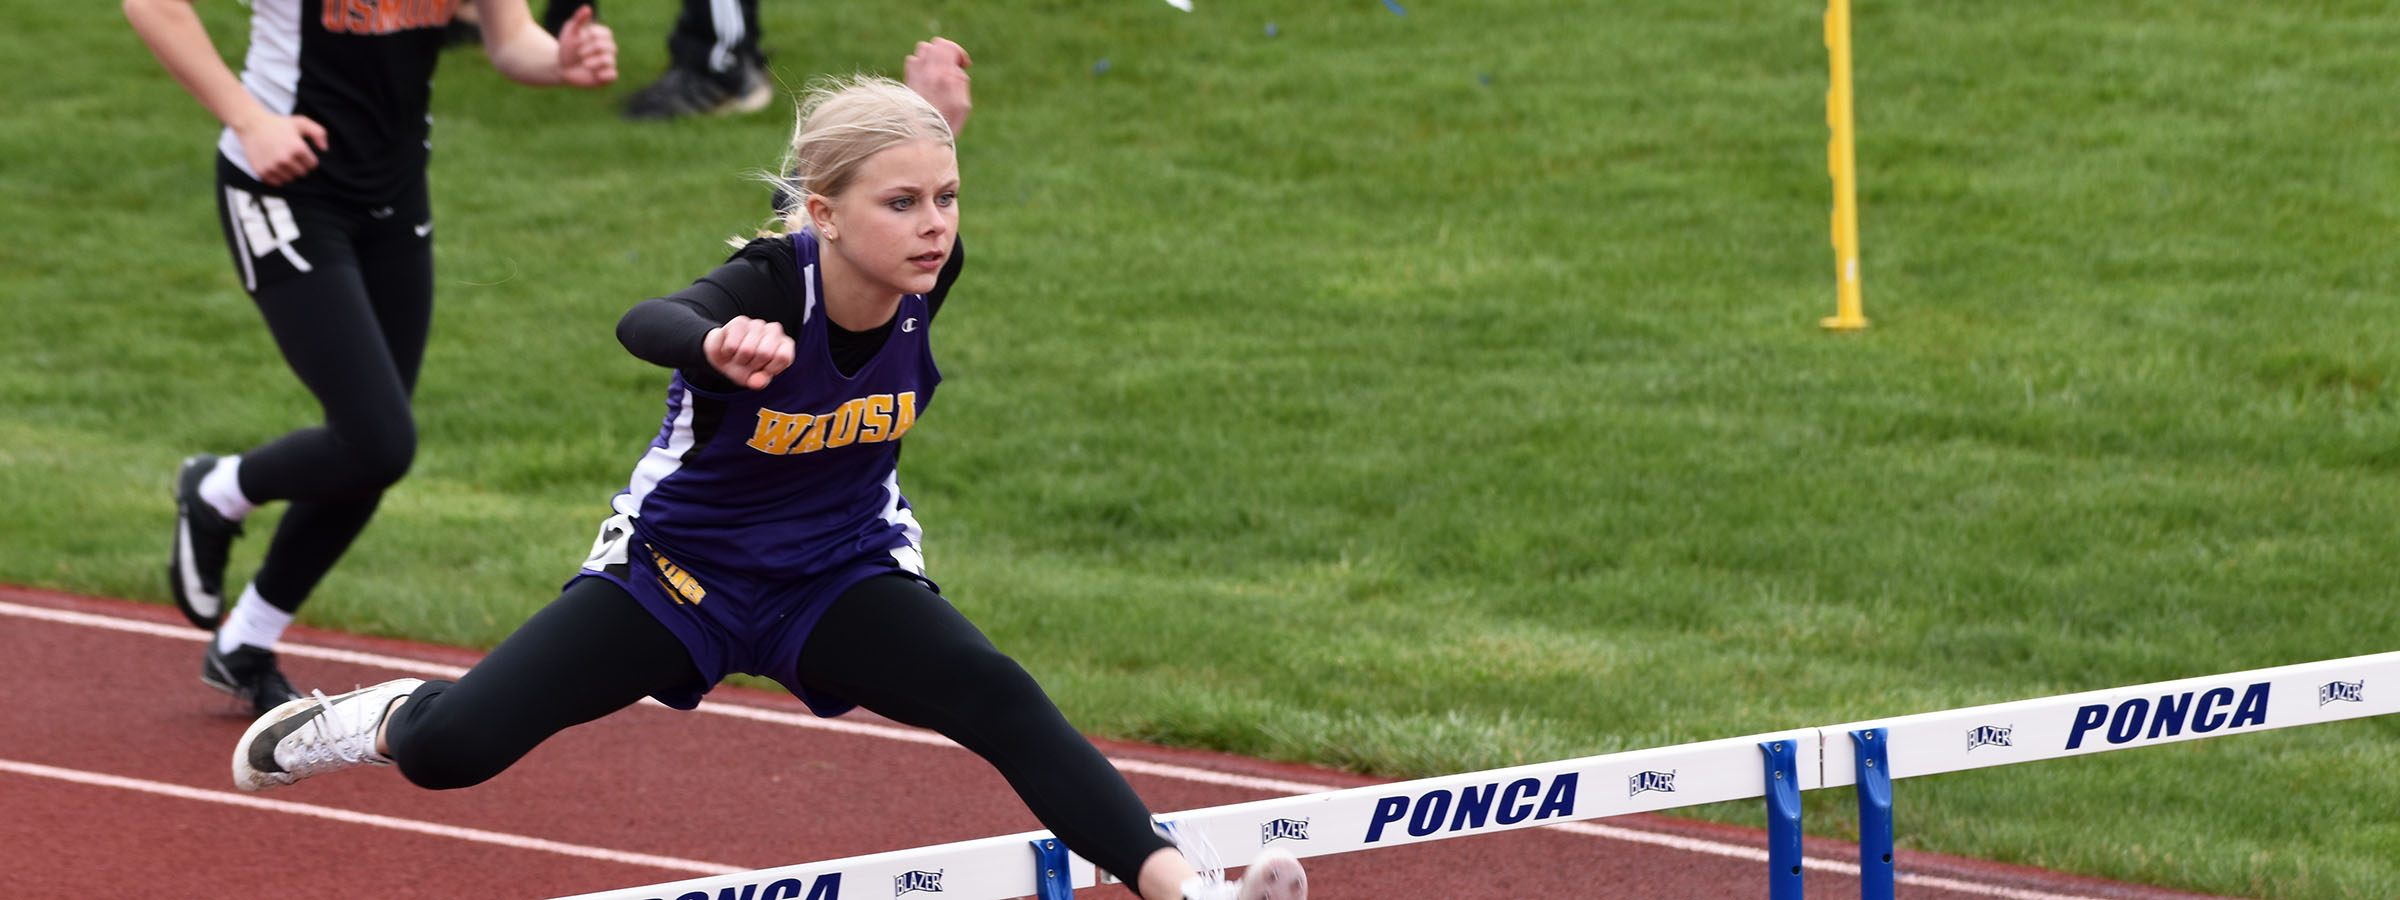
x=758, y=281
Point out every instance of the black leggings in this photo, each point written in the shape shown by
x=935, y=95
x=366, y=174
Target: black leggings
x=352, y=324
x=890, y=645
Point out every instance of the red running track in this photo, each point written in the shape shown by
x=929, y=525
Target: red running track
x=114, y=782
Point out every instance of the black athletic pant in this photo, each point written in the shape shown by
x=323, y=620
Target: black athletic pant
x=347, y=291
x=890, y=645
x=710, y=36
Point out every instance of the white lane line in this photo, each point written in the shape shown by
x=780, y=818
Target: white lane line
x=425, y=668
x=194, y=635
x=1970, y=887
x=920, y=736
x=95, y=779
x=1818, y=863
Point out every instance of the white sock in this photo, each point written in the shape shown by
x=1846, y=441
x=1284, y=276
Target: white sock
x=222, y=489
x=254, y=622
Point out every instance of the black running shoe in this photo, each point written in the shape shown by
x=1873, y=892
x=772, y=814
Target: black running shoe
x=689, y=92
x=248, y=673
x=203, y=539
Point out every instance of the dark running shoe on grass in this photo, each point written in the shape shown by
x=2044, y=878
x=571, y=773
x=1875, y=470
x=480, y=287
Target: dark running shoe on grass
x=249, y=674
x=315, y=735
x=203, y=539
x=685, y=91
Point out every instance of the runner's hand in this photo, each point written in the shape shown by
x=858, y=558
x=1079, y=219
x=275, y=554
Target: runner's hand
x=277, y=147
x=938, y=73
x=587, y=51
x=748, y=351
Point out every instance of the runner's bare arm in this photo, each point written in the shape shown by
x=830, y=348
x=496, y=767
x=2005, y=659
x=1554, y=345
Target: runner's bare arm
x=278, y=147
x=584, y=53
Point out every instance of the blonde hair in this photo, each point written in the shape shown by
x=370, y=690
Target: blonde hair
x=842, y=122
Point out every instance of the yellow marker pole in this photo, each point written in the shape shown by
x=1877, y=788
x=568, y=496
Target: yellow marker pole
x=1842, y=159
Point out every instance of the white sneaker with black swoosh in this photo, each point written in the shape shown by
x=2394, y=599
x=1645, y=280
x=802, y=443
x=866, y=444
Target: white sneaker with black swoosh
x=317, y=734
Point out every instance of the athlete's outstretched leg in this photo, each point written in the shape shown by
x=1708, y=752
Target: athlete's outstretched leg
x=591, y=652
x=892, y=645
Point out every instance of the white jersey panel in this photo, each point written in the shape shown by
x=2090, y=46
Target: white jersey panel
x=663, y=457
x=271, y=71
x=912, y=556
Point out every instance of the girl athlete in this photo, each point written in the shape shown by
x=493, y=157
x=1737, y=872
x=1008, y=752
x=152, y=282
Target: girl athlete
x=321, y=194
x=764, y=530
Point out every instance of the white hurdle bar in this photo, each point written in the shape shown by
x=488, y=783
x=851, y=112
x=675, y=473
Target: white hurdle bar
x=1388, y=815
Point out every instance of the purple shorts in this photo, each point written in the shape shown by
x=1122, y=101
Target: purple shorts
x=732, y=623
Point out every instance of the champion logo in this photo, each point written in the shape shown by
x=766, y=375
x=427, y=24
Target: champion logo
x=908, y=324
x=1991, y=736
x=907, y=882
x=1283, y=830
x=1650, y=781
x=2348, y=691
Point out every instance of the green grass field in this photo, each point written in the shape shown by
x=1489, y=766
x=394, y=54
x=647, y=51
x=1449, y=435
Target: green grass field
x=1423, y=393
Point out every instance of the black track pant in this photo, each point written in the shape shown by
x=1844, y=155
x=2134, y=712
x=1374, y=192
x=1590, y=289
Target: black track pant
x=347, y=292
x=710, y=36
x=889, y=644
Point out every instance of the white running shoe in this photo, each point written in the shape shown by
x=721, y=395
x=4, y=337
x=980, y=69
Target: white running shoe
x=1273, y=875
x=316, y=734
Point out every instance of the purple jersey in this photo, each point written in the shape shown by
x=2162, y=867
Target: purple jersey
x=754, y=510
x=799, y=476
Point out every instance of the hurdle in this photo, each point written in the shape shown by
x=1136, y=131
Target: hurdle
x=1776, y=766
